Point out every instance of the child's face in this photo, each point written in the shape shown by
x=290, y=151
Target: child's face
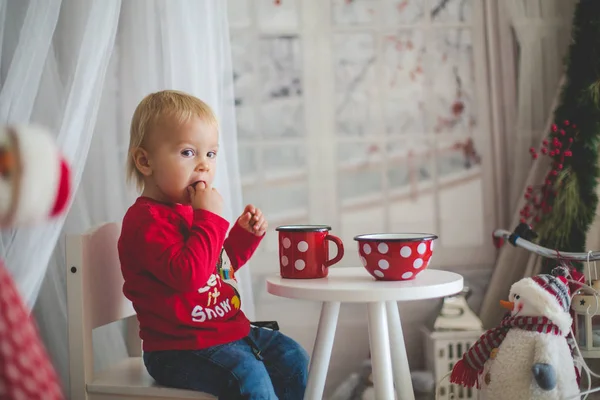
x=180, y=155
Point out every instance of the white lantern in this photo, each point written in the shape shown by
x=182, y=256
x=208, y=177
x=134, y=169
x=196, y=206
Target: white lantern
x=586, y=320
x=455, y=328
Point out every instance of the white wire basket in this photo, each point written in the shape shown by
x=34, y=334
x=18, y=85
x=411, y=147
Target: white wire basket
x=443, y=349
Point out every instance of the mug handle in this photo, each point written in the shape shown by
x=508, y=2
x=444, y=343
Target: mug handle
x=340, y=250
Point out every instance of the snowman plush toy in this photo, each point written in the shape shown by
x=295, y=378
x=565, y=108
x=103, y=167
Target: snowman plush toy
x=530, y=355
x=35, y=185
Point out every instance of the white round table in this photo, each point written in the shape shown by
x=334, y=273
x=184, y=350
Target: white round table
x=355, y=285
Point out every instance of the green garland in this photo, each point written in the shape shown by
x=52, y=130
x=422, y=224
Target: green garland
x=573, y=197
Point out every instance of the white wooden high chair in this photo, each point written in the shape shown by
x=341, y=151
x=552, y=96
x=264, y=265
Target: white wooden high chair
x=94, y=299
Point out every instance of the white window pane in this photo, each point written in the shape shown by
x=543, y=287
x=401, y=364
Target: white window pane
x=247, y=160
x=409, y=167
x=460, y=190
x=356, y=87
x=357, y=221
x=354, y=155
x=413, y=214
x=282, y=118
x=280, y=202
x=277, y=16
x=280, y=67
x=403, y=12
x=405, y=93
x=354, y=12
x=282, y=159
x=244, y=78
x=246, y=122
x=239, y=13
x=244, y=72
x=360, y=177
x=454, y=102
x=362, y=186
x=282, y=114
x=452, y=11
x=461, y=222
x=454, y=157
x=411, y=186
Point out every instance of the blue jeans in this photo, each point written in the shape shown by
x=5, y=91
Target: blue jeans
x=265, y=365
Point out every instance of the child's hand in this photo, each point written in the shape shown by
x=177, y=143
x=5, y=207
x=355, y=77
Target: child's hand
x=253, y=220
x=204, y=197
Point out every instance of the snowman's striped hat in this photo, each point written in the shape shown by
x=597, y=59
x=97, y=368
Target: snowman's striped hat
x=557, y=287
x=550, y=295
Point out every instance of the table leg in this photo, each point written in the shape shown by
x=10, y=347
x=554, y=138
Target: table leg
x=319, y=361
x=380, y=352
x=402, y=377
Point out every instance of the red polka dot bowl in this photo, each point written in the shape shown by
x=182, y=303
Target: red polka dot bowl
x=395, y=256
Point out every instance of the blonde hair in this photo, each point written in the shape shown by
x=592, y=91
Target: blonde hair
x=153, y=109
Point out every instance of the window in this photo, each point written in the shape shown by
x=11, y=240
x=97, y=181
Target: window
x=366, y=115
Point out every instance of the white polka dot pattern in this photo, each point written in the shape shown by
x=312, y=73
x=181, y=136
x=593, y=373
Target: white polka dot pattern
x=405, y=252
x=302, y=246
x=284, y=261
x=299, y=265
x=25, y=370
x=395, y=260
x=286, y=243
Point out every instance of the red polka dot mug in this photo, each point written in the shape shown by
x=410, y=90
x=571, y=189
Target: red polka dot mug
x=395, y=256
x=304, y=251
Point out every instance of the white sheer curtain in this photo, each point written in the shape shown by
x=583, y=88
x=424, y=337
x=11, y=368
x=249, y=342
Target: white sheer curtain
x=80, y=67
x=542, y=30
x=35, y=52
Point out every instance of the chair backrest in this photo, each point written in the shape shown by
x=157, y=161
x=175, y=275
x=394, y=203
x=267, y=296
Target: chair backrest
x=94, y=298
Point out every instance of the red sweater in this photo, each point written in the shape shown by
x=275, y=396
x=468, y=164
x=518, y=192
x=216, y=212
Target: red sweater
x=169, y=255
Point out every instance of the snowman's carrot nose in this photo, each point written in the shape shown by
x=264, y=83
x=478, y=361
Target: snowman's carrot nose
x=509, y=305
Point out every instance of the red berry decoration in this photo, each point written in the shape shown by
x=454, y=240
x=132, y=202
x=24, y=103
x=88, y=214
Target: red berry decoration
x=557, y=146
x=457, y=108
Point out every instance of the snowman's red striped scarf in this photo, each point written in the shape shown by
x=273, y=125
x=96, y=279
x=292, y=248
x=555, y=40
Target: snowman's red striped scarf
x=466, y=371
